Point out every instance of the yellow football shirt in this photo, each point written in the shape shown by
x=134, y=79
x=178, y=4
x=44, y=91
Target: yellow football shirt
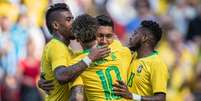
x=115, y=44
x=148, y=75
x=57, y=54
x=100, y=76
x=124, y=53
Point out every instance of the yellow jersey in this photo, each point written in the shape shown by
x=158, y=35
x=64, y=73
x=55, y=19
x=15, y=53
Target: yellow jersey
x=55, y=54
x=101, y=74
x=148, y=75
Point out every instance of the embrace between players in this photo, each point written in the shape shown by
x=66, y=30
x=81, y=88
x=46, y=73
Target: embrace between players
x=104, y=70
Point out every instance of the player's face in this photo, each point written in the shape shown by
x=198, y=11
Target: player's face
x=65, y=22
x=134, y=41
x=104, y=35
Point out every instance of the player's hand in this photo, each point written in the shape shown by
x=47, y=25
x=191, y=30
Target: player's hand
x=99, y=53
x=46, y=85
x=121, y=89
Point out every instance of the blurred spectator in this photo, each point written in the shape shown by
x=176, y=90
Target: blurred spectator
x=8, y=9
x=101, y=6
x=8, y=58
x=166, y=23
x=193, y=37
x=2, y=84
x=20, y=34
x=180, y=64
x=75, y=6
x=38, y=38
x=28, y=72
x=35, y=10
x=144, y=12
x=115, y=9
x=181, y=13
x=194, y=29
x=160, y=6
x=11, y=92
x=118, y=10
x=196, y=84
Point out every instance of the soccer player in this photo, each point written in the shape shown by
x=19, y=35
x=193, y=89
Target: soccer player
x=57, y=55
x=100, y=76
x=148, y=74
x=105, y=36
x=105, y=33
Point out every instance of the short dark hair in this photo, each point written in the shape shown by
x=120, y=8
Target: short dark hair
x=51, y=14
x=154, y=28
x=104, y=20
x=85, y=27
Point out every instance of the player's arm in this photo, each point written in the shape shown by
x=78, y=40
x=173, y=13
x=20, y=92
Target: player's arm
x=77, y=93
x=121, y=89
x=157, y=97
x=66, y=74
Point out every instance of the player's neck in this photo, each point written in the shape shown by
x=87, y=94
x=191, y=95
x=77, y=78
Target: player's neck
x=61, y=38
x=144, y=51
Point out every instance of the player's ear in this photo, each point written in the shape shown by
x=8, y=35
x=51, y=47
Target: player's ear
x=55, y=25
x=78, y=40
x=145, y=37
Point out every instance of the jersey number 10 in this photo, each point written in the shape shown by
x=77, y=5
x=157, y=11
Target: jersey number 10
x=106, y=80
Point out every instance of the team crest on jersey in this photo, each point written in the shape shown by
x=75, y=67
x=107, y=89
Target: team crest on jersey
x=139, y=69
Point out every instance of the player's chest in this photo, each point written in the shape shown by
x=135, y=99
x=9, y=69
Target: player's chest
x=139, y=73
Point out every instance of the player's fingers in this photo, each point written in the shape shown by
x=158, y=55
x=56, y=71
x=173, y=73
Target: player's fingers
x=48, y=85
x=48, y=88
x=48, y=81
x=120, y=82
x=105, y=55
x=116, y=89
x=104, y=46
x=117, y=86
x=104, y=49
x=47, y=92
x=121, y=88
x=42, y=76
x=118, y=93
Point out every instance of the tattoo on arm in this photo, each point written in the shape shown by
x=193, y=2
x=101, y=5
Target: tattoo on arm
x=65, y=74
x=77, y=94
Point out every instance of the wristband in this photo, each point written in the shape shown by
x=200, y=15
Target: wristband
x=87, y=61
x=136, y=97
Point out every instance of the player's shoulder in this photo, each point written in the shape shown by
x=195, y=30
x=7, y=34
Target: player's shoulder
x=56, y=44
x=124, y=50
x=157, y=62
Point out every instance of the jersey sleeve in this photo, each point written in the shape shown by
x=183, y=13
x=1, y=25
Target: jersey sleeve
x=59, y=56
x=159, y=77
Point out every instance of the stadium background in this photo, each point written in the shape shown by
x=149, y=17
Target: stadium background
x=23, y=36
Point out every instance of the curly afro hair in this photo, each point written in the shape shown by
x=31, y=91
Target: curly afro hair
x=85, y=27
x=154, y=28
